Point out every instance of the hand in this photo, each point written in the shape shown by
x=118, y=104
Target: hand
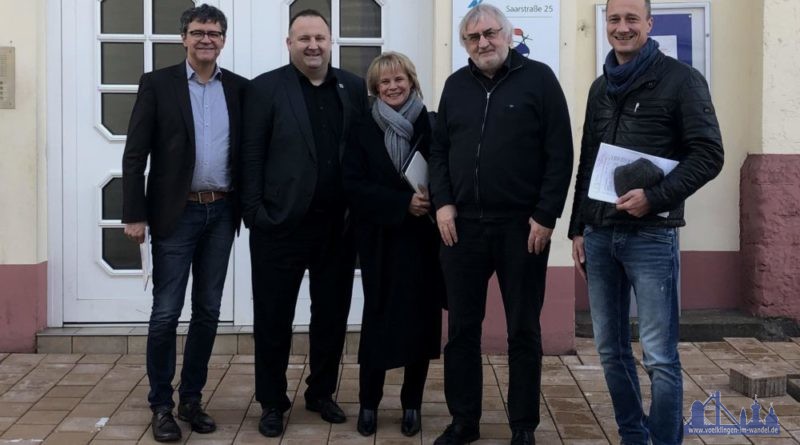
x=135, y=231
x=579, y=255
x=634, y=202
x=446, y=220
x=420, y=204
x=538, y=237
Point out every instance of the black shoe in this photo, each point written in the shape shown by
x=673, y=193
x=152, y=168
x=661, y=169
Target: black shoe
x=367, y=421
x=329, y=410
x=193, y=413
x=522, y=437
x=165, y=429
x=458, y=434
x=411, y=422
x=271, y=423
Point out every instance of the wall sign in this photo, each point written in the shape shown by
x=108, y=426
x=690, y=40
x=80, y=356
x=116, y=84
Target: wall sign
x=683, y=31
x=536, y=29
x=7, y=68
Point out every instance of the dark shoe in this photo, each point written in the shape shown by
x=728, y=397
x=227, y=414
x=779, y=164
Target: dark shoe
x=367, y=421
x=522, y=437
x=271, y=423
x=458, y=434
x=411, y=422
x=329, y=410
x=165, y=429
x=193, y=413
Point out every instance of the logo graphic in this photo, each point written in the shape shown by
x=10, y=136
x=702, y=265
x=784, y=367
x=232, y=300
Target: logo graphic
x=474, y=3
x=520, y=46
x=755, y=426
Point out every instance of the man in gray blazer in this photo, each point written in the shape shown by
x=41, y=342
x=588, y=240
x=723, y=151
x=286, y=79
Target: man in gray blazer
x=296, y=121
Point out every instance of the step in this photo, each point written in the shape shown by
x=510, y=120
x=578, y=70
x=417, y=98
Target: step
x=712, y=325
x=133, y=340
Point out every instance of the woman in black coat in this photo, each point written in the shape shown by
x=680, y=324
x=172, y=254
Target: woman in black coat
x=397, y=242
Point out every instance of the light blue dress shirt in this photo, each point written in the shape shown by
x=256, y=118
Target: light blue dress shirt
x=212, y=169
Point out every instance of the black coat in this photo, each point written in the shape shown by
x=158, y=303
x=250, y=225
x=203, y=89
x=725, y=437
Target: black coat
x=667, y=112
x=403, y=285
x=279, y=158
x=162, y=128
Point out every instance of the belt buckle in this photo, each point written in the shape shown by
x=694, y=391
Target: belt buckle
x=202, y=201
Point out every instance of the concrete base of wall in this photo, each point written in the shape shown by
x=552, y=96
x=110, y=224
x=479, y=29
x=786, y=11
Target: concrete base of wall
x=23, y=305
x=770, y=235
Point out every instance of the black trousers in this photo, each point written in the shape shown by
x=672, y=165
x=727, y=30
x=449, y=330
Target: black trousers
x=279, y=261
x=482, y=249
x=370, y=383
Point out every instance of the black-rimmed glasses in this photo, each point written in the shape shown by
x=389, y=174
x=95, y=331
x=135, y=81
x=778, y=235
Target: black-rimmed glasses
x=488, y=34
x=199, y=35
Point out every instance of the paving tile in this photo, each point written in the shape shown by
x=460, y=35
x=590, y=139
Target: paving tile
x=54, y=344
x=28, y=360
x=68, y=438
x=100, y=345
x=26, y=432
x=62, y=358
x=42, y=418
x=6, y=422
x=68, y=391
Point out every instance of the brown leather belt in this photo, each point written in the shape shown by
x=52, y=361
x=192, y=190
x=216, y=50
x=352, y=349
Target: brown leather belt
x=206, y=197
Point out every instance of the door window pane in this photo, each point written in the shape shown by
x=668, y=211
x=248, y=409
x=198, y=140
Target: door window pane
x=121, y=17
x=122, y=63
x=118, y=251
x=167, y=54
x=117, y=112
x=356, y=59
x=323, y=6
x=112, y=199
x=360, y=18
x=167, y=15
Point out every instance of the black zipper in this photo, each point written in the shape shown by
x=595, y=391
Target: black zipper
x=483, y=126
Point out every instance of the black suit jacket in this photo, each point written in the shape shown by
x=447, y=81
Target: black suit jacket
x=279, y=158
x=162, y=127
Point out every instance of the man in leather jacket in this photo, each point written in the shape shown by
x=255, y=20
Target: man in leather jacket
x=650, y=103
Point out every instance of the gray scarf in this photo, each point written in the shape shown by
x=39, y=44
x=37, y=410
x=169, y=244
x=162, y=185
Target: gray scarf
x=398, y=127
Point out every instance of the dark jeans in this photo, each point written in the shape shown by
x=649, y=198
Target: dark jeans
x=279, y=261
x=646, y=258
x=482, y=249
x=202, y=240
x=370, y=382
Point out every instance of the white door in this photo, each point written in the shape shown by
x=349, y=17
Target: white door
x=361, y=30
x=106, y=46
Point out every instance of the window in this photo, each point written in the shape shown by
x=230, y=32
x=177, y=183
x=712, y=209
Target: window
x=357, y=28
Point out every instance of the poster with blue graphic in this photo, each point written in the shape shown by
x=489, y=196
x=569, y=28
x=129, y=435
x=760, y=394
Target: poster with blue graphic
x=536, y=26
x=682, y=31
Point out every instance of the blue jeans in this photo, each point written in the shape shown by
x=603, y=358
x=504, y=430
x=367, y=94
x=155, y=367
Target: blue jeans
x=645, y=258
x=201, y=240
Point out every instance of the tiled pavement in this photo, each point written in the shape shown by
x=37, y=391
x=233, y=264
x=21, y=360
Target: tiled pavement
x=101, y=399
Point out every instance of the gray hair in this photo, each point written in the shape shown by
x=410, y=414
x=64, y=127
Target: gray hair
x=481, y=11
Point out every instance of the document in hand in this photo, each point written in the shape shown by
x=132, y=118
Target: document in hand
x=609, y=157
x=144, y=252
x=416, y=172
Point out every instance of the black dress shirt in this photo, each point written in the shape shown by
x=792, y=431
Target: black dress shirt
x=325, y=113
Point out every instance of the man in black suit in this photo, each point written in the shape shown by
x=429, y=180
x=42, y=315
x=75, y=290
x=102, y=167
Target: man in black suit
x=187, y=119
x=297, y=119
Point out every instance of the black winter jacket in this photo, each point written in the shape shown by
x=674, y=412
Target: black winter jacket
x=667, y=112
x=506, y=151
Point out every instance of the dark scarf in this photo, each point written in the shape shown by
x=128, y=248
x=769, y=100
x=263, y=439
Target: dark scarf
x=620, y=77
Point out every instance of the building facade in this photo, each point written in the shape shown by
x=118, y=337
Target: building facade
x=65, y=262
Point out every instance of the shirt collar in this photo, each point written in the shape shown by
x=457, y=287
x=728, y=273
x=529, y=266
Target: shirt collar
x=190, y=72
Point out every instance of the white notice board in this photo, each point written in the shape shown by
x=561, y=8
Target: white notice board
x=536, y=29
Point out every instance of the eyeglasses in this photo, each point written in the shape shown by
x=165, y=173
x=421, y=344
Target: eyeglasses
x=199, y=35
x=488, y=34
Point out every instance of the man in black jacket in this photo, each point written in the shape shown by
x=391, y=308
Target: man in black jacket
x=501, y=162
x=297, y=119
x=657, y=105
x=186, y=120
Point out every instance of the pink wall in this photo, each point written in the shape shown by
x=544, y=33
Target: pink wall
x=23, y=306
x=770, y=235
